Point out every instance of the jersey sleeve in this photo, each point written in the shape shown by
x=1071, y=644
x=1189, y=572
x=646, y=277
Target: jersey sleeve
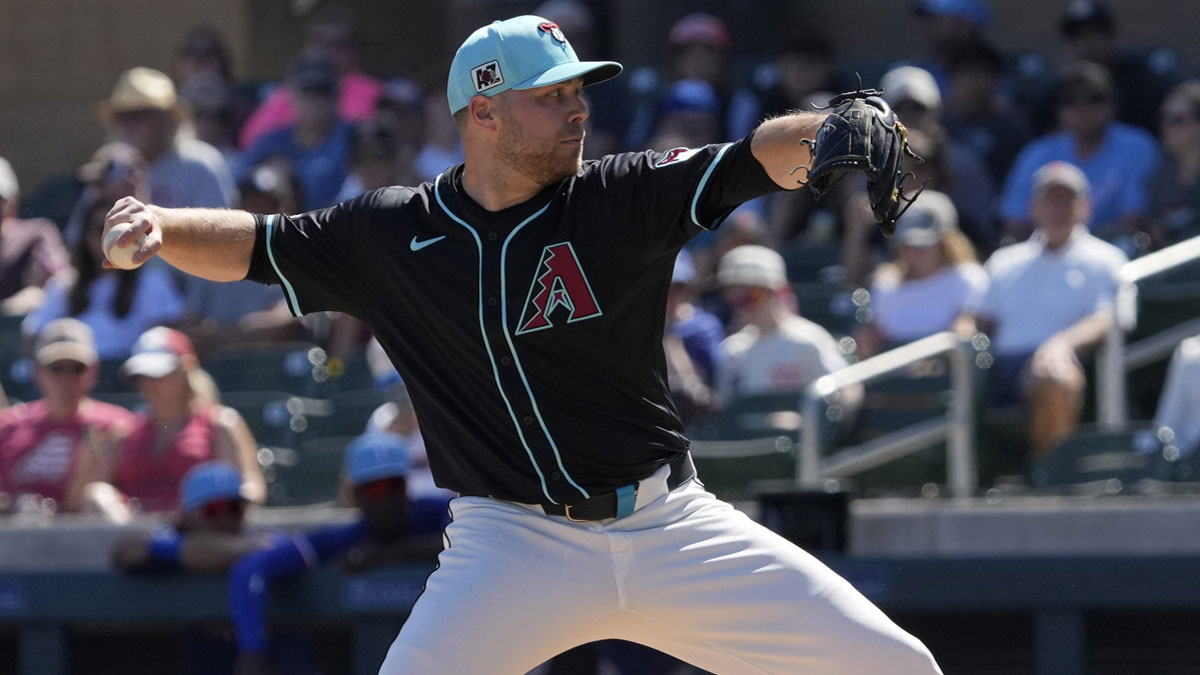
x=322, y=259
x=693, y=189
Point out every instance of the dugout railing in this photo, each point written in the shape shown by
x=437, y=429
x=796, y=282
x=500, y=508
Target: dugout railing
x=1116, y=358
x=956, y=427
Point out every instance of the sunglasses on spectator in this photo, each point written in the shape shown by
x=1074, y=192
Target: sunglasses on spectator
x=380, y=489
x=66, y=368
x=224, y=507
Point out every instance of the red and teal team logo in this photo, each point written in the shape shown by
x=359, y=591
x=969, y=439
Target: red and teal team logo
x=560, y=284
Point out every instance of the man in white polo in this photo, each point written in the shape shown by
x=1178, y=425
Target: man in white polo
x=1049, y=302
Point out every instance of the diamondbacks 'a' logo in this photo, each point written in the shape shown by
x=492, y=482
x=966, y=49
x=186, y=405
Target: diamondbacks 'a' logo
x=487, y=76
x=560, y=282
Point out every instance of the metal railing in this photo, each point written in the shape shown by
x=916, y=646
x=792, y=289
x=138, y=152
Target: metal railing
x=957, y=428
x=1116, y=358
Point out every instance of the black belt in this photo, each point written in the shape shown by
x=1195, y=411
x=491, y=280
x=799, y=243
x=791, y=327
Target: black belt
x=609, y=504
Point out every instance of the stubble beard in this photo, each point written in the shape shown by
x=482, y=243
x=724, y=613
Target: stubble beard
x=542, y=166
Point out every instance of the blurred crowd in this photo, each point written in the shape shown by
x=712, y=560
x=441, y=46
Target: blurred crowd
x=1040, y=179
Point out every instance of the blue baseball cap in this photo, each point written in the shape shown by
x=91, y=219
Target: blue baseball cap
x=376, y=455
x=519, y=53
x=209, y=482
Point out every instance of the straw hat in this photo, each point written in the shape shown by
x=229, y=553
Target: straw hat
x=141, y=89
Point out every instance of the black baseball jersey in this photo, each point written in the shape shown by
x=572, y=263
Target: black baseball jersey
x=530, y=338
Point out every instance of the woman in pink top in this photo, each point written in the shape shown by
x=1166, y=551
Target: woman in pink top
x=182, y=426
x=331, y=34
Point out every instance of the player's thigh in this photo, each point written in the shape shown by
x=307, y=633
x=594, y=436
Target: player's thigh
x=511, y=590
x=723, y=589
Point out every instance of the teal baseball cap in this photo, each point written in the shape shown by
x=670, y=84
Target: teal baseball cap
x=519, y=53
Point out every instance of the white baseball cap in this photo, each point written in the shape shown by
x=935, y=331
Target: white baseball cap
x=924, y=223
x=752, y=265
x=519, y=53
x=910, y=83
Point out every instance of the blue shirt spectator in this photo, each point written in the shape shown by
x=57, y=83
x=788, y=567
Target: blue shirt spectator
x=318, y=144
x=1117, y=159
x=1117, y=170
x=321, y=169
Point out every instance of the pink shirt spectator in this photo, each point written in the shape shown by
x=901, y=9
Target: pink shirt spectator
x=153, y=477
x=38, y=455
x=359, y=94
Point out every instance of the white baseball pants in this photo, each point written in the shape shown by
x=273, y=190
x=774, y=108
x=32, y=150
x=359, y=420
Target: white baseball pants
x=686, y=574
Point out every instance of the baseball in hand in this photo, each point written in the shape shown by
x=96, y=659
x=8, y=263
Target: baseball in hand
x=121, y=257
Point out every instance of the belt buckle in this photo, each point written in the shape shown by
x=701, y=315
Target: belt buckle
x=567, y=513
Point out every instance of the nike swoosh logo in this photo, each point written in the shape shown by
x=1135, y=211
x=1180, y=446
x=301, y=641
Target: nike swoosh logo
x=418, y=245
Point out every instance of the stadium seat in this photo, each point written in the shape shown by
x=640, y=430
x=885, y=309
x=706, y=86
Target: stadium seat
x=751, y=417
x=298, y=368
x=310, y=475
x=832, y=306
x=729, y=468
x=750, y=439
x=346, y=415
x=275, y=418
x=1103, y=461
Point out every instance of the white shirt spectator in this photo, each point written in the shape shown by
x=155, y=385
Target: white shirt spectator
x=785, y=360
x=907, y=310
x=192, y=173
x=1180, y=400
x=1034, y=293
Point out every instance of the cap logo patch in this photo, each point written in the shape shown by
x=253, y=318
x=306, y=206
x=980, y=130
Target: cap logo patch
x=487, y=76
x=676, y=155
x=553, y=29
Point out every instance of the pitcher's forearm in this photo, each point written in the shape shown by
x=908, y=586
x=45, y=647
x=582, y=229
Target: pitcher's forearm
x=210, y=243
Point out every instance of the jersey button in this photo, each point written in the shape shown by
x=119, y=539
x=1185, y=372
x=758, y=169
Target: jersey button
x=505, y=361
x=556, y=476
x=492, y=302
x=492, y=236
x=527, y=420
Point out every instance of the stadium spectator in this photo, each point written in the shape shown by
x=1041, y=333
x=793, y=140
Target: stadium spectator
x=1140, y=80
x=442, y=147
x=376, y=161
x=117, y=305
x=915, y=96
x=46, y=444
x=977, y=115
x=692, y=343
x=210, y=537
x=1118, y=159
x=212, y=114
x=1175, y=186
x=777, y=351
x=1181, y=399
x=947, y=27
x=1048, y=303
x=330, y=34
x=201, y=52
x=31, y=251
x=608, y=101
x=318, y=144
x=689, y=116
x=182, y=426
x=144, y=111
x=397, y=416
x=698, y=48
x=932, y=279
x=241, y=313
